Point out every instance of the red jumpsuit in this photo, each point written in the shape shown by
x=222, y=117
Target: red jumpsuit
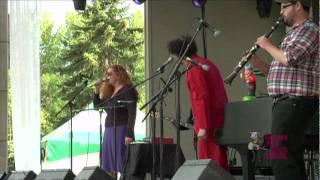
x=208, y=99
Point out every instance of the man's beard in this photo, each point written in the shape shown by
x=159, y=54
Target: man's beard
x=287, y=22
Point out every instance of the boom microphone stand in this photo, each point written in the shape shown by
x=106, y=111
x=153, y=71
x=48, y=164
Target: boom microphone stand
x=100, y=136
x=171, y=78
x=152, y=110
x=215, y=33
x=159, y=98
x=70, y=104
x=178, y=118
x=204, y=42
x=100, y=110
x=153, y=135
x=115, y=142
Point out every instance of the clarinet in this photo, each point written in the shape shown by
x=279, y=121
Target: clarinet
x=228, y=80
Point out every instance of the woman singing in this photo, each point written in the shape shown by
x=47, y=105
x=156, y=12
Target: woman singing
x=119, y=99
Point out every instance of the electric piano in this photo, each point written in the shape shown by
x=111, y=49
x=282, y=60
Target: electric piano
x=244, y=117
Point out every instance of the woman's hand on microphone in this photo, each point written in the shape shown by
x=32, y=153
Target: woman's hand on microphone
x=98, y=85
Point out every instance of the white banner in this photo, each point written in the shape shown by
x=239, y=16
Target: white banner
x=25, y=83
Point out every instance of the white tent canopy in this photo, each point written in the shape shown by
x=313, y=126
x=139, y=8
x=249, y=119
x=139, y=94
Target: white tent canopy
x=86, y=133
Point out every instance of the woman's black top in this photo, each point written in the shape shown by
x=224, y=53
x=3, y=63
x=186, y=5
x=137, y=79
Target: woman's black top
x=118, y=112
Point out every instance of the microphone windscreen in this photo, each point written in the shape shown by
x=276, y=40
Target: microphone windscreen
x=205, y=67
x=216, y=33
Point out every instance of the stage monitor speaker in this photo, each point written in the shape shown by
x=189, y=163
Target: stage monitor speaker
x=93, y=173
x=22, y=175
x=3, y=175
x=201, y=170
x=56, y=174
x=80, y=4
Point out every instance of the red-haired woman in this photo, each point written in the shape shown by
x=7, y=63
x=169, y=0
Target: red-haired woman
x=120, y=120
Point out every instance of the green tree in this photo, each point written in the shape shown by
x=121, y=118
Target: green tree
x=50, y=65
x=104, y=34
x=139, y=74
x=75, y=56
x=11, y=165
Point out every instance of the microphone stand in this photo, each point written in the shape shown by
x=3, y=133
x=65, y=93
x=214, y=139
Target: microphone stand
x=153, y=123
x=115, y=142
x=113, y=106
x=204, y=42
x=153, y=135
x=100, y=109
x=178, y=119
x=100, y=136
x=159, y=98
x=169, y=82
x=203, y=23
x=160, y=95
x=178, y=114
x=70, y=104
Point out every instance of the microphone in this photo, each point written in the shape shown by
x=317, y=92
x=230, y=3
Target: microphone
x=105, y=79
x=214, y=31
x=125, y=101
x=169, y=60
x=202, y=66
x=94, y=83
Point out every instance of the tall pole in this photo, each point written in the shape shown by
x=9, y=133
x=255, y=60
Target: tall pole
x=71, y=136
x=4, y=43
x=203, y=18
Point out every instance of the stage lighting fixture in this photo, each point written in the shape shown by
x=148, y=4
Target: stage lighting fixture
x=79, y=4
x=139, y=1
x=199, y=3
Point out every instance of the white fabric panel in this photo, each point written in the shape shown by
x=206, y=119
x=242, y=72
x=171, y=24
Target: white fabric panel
x=25, y=80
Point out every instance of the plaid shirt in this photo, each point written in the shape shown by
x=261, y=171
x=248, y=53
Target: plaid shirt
x=301, y=76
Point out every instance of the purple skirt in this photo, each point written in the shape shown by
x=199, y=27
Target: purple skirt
x=112, y=149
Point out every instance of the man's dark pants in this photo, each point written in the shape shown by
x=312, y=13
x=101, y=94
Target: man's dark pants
x=291, y=117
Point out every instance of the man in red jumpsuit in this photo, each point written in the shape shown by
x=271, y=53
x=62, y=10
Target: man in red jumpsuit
x=208, y=99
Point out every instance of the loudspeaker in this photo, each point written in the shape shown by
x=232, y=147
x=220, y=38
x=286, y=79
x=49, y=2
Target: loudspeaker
x=3, y=175
x=79, y=4
x=22, y=175
x=57, y=174
x=201, y=170
x=93, y=173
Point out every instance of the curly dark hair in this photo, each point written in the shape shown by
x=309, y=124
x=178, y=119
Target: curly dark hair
x=178, y=46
